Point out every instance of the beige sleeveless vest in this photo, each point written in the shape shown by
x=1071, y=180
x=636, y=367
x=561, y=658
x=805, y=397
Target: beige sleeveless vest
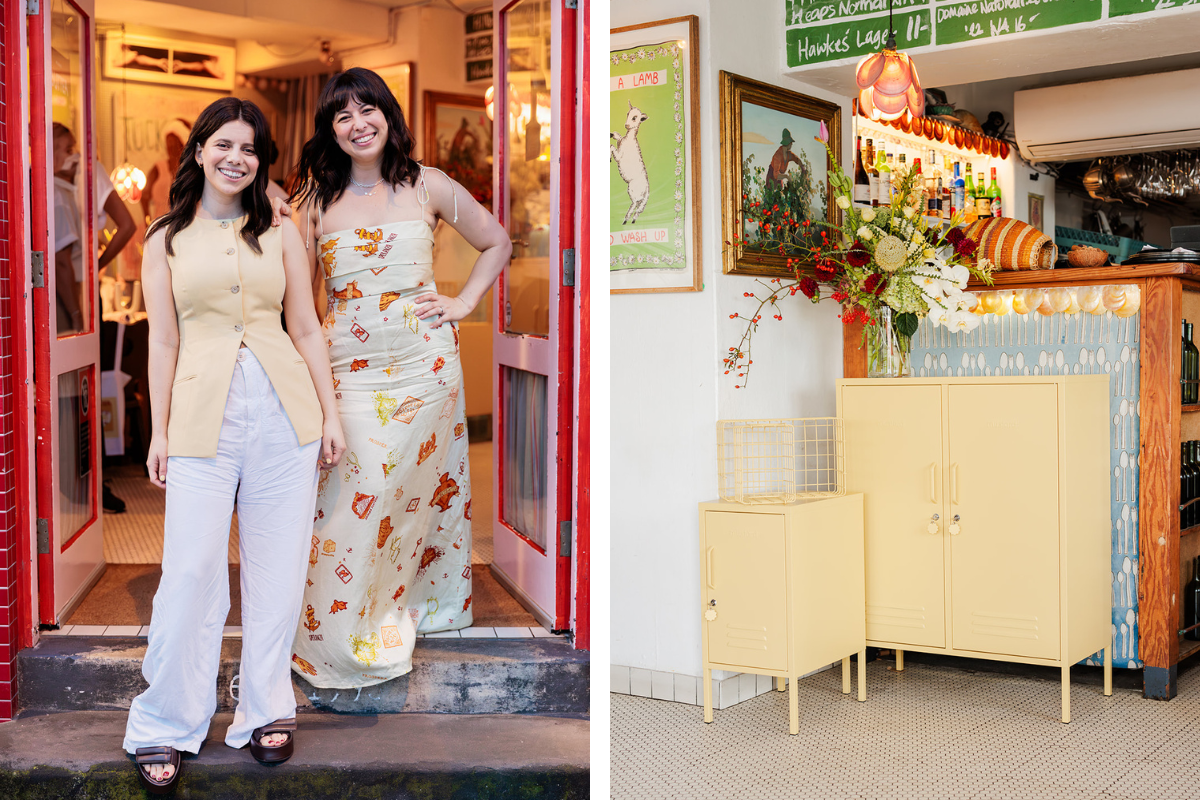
x=225, y=294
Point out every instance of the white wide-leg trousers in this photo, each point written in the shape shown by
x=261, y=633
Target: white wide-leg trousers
x=274, y=483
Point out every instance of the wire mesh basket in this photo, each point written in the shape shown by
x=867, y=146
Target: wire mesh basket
x=780, y=460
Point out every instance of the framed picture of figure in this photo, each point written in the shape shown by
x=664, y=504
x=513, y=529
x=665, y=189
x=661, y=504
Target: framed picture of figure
x=458, y=141
x=774, y=175
x=399, y=78
x=153, y=59
x=654, y=158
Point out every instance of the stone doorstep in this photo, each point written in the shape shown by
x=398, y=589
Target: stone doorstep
x=78, y=754
x=449, y=676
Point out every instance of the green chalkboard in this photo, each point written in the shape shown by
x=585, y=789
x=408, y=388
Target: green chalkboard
x=1123, y=8
x=815, y=12
x=984, y=19
x=813, y=44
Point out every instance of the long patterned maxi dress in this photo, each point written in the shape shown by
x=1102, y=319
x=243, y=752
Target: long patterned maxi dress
x=391, y=545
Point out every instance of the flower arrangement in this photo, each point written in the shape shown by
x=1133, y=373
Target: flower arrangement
x=888, y=267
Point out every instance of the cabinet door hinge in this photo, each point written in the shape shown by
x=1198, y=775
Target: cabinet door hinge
x=568, y=267
x=31, y=7
x=43, y=536
x=564, y=538
x=37, y=269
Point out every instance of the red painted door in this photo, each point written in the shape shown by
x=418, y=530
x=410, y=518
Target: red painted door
x=66, y=328
x=535, y=305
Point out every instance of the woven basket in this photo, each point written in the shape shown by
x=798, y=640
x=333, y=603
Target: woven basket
x=1012, y=244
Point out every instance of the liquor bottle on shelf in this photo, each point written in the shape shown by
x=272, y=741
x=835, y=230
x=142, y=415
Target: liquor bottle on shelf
x=983, y=203
x=1185, y=393
x=970, y=211
x=893, y=180
x=1193, y=461
x=947, y=195
x=994, y=195
x=1184, y=486
x=957, y=191
x=885, y=177
x=917, y=200
x=873, y=173
x=862, y=183
x=1190, y=364
x=932, y=198
x=1191, y=602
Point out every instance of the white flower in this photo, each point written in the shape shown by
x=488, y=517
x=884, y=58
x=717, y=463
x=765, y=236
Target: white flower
x=928, y=253
x=843, y=202
x=868, y=214
x=963, y=321
x=956, y=275
x=930, y=285
x=908, y=212
x=889, y=253
x=864, y=232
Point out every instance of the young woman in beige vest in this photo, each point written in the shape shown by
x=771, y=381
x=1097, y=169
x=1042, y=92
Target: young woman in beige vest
x=242, y=412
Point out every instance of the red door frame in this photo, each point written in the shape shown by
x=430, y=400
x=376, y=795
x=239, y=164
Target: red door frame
x=564, y=383
x=583, y=451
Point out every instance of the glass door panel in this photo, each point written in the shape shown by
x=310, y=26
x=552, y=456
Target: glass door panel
x=523, y=442
x=527, y=39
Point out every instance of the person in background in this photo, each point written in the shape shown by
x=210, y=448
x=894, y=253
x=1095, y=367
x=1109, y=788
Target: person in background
x=156, y=198
x=68, y=241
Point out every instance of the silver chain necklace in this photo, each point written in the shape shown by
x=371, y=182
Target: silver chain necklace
x=371, y=187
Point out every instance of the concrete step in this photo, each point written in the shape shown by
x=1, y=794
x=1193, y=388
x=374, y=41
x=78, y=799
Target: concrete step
x=450, y=676
x=77, y=754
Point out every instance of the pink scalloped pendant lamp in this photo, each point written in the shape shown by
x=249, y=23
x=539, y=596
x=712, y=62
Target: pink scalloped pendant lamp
x=888, y=83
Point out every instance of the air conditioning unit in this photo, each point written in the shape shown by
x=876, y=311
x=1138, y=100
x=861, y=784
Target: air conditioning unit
x=1138, y=114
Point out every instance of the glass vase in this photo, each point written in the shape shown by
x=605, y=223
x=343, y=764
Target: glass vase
x=887, y=350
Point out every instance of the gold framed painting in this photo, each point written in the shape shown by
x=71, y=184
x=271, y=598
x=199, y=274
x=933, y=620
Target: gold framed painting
x=399, y=78
x=774, y=176
x=458, y=141
x=655, y=238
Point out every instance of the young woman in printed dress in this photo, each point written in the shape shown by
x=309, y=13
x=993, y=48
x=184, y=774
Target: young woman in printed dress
x=391, y=548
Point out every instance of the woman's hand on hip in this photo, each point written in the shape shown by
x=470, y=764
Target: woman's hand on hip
x=443, y=309
x=156, y=461
x=333, y=443
x=279, y=210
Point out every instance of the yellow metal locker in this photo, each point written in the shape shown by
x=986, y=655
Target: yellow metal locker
x=782, y=591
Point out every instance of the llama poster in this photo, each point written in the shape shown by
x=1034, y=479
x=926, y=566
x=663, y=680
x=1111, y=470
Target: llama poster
x=648, y=143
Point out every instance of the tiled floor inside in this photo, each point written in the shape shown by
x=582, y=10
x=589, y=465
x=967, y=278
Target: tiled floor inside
x=927, y=732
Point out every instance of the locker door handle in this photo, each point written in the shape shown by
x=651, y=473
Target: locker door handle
x=933, y=483
x=708, y=567
x=954, y=483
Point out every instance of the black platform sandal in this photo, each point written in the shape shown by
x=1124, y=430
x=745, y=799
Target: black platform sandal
x=278, y=753
x=145, y=756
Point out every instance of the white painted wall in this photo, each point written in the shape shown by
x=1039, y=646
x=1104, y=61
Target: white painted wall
x=668, y=390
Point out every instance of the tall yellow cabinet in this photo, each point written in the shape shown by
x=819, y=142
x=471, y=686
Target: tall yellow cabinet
x=986, y=516
x=782, y=591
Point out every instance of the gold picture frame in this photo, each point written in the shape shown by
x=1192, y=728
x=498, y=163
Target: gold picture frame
x=633, y=268
x=781, y=119
x=399, y=78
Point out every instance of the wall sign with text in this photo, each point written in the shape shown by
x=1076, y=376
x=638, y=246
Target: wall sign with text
x=818, y=31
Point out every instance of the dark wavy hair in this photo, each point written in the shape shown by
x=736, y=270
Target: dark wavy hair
x=188, y=185
x=324, y=169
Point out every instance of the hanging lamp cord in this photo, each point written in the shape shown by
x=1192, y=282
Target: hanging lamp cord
x=891, y=41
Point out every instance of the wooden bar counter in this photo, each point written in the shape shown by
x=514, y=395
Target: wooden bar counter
x=1169, y=293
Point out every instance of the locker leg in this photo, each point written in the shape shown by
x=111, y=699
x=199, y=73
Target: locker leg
x=780, y=684
x=1108, y=669
x=899, y=661
x=862, y=675
x=846, y=675
x=793, y=708
x=708, y=717
x=1066, y=693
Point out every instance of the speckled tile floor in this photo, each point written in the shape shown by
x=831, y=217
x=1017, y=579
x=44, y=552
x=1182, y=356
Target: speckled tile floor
x=927, y=732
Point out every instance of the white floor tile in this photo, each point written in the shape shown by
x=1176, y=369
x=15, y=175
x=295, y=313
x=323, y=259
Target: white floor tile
x=640, y=683
x=443, y=635
x=65, y=630
x=618, y=679
x=144, y=631
x=541, y=633
x=478, y=633
x=88, y=630
x=662, y=685
x=232, y=631
x=122, y=630
x=513, y=633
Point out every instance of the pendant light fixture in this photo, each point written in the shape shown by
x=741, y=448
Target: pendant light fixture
x=887, y=82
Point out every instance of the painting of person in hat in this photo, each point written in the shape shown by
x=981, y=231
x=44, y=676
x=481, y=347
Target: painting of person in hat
x=783, y=158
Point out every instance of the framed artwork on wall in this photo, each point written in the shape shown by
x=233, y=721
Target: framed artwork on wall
x=399, y=78
x=774, y=175
x=458, y=141
x=655, y=240
x=1037, y=207
x=152, y=59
